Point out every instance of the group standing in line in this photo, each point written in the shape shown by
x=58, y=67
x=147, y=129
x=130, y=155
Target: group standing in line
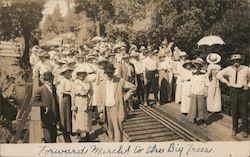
x=105, y=82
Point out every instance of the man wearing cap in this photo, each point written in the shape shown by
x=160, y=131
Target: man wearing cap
x=150, y=73
x=114, y=98
x=46, y=98
x=239, y=83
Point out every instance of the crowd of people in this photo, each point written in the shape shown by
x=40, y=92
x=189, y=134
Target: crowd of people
x=105, y=81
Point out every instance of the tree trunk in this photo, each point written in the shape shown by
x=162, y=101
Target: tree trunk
x=25, y=57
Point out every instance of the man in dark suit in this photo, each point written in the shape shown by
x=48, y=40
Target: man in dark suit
x=46, y=98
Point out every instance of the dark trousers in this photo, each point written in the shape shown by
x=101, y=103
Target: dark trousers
x=173, y=87
x=239, y=105
x=150, y=76
x=140, y=88
x=65, y=112
x=50, y=134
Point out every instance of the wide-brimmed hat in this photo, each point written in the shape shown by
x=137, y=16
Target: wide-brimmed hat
x=199, y=61
x=188, y=62
x=109, y=67
x=183, y=53
x=64, y=69
x=123, y=48
x=142, y=48
x=235, y=57
x=213, y=58
x=48, y=76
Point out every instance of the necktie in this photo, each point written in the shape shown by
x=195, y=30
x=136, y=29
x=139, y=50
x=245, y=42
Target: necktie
x=236, y=76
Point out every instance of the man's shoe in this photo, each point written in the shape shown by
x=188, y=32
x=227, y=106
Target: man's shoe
x=244, y=135
x=234, y=133
x=158, y=104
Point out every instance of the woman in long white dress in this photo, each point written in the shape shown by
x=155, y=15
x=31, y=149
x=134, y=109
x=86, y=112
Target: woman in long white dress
x=82, y=103
x=186, y=85
x=212, y=83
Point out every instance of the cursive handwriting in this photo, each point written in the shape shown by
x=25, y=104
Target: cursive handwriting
x=103, y=151
x=52, y=151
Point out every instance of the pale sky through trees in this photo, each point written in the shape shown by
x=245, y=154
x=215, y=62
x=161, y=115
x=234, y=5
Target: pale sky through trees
x=51, y=4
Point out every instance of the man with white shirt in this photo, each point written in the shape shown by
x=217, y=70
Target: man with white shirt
x=114, y=98
x=139, y=70
x=239, y=83
x=150, y=73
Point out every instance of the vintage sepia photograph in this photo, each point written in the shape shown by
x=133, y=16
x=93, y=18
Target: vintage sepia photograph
x=95, y=71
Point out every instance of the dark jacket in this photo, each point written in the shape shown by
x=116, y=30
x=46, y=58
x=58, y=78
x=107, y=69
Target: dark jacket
x=43, y=97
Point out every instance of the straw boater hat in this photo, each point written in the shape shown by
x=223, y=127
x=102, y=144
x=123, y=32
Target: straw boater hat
x=199, y=61
x=142, y=48
x=213, y=58
x=235, y=57
x=64, y=69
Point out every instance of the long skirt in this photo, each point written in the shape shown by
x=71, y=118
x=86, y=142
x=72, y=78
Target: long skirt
x=65, y=112
x=82, y=118
x=198, y=108
x=178, y=93
x=213, y=98
x=185, y=98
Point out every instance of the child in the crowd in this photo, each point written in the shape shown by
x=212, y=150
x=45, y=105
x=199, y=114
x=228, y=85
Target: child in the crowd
x=186, y=84
x=213, y=87
x=198, y=108
x=82, y=101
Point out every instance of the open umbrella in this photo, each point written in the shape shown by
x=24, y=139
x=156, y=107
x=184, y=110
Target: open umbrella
x=210, y=40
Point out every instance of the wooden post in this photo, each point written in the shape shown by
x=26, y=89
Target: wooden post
x=35, y=127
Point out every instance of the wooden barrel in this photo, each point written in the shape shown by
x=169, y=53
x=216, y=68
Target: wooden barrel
x=21, y=92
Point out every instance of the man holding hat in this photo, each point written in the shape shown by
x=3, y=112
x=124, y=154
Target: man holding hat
x=239, y=83
x=46, y=98
x=114, y=97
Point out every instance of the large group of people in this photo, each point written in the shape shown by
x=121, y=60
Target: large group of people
x=106, y=80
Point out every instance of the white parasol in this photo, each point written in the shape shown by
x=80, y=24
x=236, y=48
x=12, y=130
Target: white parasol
x=210, y=40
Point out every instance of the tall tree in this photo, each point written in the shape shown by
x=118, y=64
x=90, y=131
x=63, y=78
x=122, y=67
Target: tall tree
x=19, y=20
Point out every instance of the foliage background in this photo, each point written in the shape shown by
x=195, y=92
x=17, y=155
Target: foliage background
x=142, y=22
